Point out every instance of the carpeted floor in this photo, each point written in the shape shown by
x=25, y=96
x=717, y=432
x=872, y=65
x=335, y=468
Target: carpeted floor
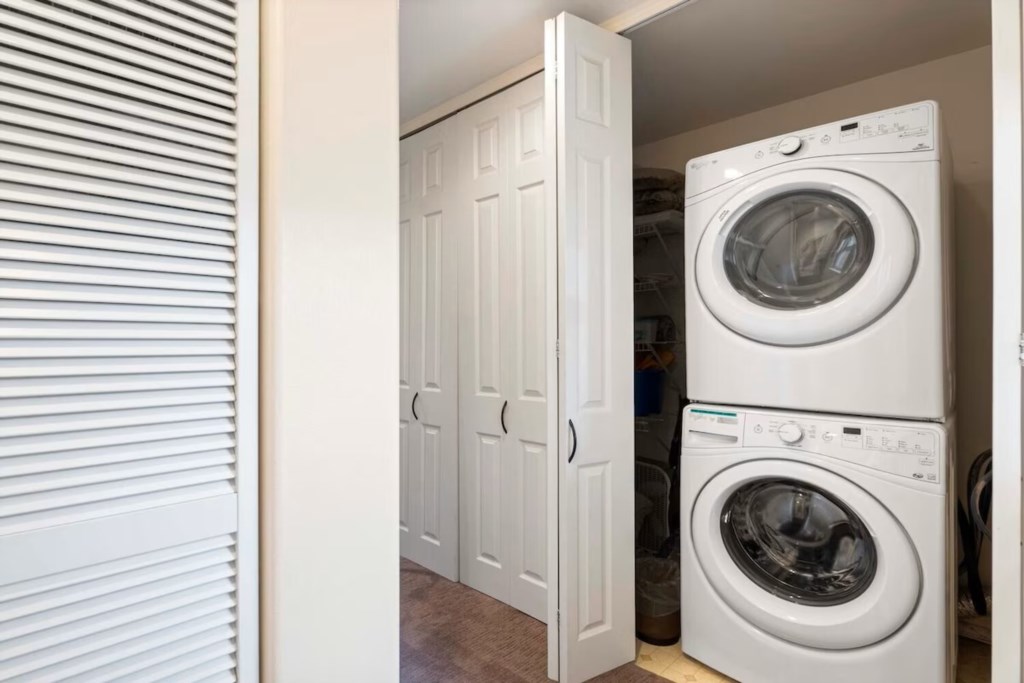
x=453, y=634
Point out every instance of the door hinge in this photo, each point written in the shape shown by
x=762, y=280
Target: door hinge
x=558, y=348
x=1020, y=349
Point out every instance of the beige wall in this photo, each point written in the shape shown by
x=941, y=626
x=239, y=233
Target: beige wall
x=962, y=85
x=329, y=337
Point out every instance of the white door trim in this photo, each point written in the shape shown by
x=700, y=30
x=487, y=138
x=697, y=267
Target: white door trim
x=247, y=375
x=1007, y=325
x=631, y=19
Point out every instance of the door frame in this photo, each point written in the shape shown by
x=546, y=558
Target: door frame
x=247, y=338
x=1007, y=340
x=1008, y=313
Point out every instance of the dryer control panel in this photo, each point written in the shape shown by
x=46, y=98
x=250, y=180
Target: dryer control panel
x=909, y=129
x=908, y=449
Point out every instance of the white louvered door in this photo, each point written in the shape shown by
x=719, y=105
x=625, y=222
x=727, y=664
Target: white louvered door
x=128, y=332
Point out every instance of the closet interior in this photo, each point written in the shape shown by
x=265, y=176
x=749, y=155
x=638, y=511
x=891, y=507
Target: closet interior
x=477, y=241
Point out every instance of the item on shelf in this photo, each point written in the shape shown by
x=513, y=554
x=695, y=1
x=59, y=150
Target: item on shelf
x=654, y=329
x=647, y=391
x=654, y=359
x=657, y=179
x=646, y=202
x=645, y=329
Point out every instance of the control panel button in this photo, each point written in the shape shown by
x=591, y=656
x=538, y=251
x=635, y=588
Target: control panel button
x=827, y=437
x=790, y=432
x=790, y=145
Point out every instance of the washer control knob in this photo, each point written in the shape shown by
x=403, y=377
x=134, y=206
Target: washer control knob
x=790, y=145
x=791, y=432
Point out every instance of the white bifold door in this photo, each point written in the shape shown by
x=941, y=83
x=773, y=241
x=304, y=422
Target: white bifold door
x=588, y=76
x=428, y=363
x=504, y=349
x=128, y=332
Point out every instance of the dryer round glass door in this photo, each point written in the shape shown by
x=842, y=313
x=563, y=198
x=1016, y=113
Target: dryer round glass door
x=805, y=555
x=806, y=257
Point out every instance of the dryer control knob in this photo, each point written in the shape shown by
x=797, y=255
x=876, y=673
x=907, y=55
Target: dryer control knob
x=791, y=432
x=790, y=145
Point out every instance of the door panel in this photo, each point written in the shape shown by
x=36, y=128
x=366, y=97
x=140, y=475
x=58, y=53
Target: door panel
x=481, y=205
x=590, y=73
x=428, y=385
x=128, y=366
x=503, y=329
x=525, y=326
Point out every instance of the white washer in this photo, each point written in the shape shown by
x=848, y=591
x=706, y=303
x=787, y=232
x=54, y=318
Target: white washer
x=817, y=547
x=818, y=270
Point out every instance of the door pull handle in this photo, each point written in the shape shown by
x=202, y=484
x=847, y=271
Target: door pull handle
x=572, y=454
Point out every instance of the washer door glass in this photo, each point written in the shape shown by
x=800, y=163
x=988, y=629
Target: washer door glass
x=798, y=250
x=804, y=554
x=798, y=542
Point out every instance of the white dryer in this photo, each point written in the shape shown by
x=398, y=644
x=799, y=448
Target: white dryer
x=817, y=547
x=819, y=269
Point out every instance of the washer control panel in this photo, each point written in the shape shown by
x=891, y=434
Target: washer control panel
x=908, y=449
x=908, y=129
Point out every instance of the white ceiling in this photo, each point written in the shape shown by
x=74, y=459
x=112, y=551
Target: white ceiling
x=709, y=61
x=716, y=59
x=450, y=46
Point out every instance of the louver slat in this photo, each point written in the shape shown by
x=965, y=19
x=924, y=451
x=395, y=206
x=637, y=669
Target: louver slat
x=119, y=446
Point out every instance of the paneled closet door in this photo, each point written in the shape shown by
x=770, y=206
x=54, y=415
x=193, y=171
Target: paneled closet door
x=128, y=323
x=482, y=211
x=429, y=466
x=592, y=124
x=502, y=327
x=525, y=367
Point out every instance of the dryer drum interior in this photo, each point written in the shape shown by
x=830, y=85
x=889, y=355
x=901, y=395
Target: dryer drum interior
x=798, y=250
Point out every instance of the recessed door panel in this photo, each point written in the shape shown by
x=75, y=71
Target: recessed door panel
x=432, y=293
x=489, y=546
x=530, y=361
x=592, y=278
x=487, y=288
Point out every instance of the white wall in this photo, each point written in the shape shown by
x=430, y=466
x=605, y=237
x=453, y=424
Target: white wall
x=962, y=85
x=329, y=336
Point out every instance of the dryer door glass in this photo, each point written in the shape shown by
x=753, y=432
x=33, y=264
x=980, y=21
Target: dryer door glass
x=798, y=542
x=798, y=250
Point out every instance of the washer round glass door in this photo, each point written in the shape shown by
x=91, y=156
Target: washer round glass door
x=805, y=555
x=806, y=257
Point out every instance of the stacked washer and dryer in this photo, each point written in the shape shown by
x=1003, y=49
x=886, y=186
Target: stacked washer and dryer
x=817, y=460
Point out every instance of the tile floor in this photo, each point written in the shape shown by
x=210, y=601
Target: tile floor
x=670, y=663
